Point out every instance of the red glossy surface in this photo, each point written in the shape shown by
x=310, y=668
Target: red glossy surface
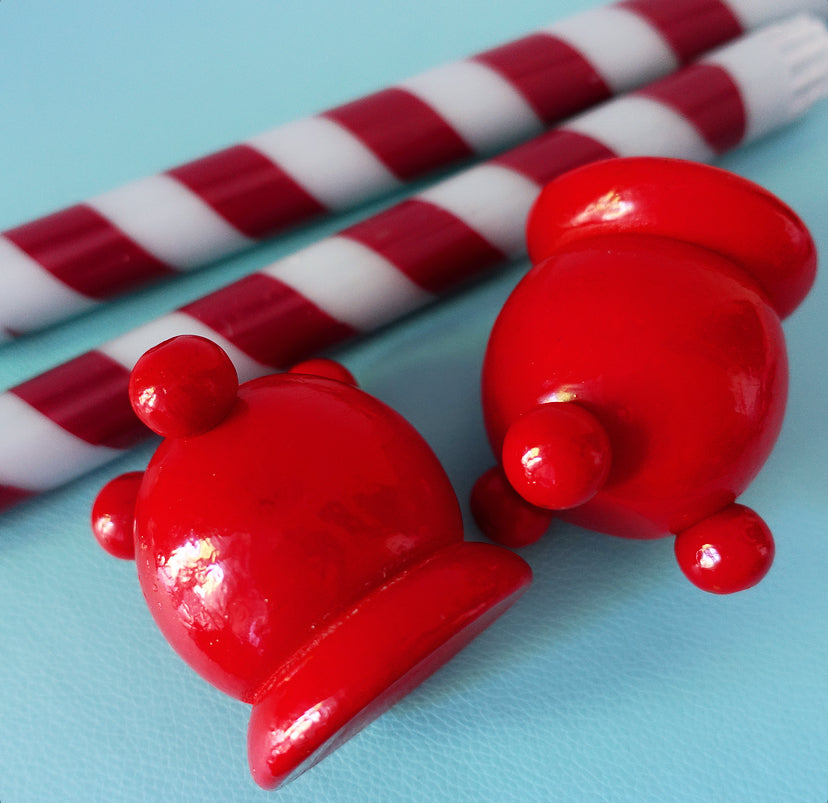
x=679, y=358
x=680, y=200
x=730, y=551
x=674, y=347
x=556, y=456
x=306, y=555
x=183, y=386
x=113, y=515
x=504, y=515
x=398, y=635
x=321, y=366
x=305, y=472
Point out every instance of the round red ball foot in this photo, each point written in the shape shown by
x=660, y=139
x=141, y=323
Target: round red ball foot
x=503, y=515
x=183, y=387
x=113, y=515
x=365, y=661
x=730, y=551
x=557, y=455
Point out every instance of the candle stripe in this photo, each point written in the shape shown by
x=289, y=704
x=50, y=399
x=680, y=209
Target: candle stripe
x=690, y=26
x=61, y=455
x=683, y=92
x=662, y=131
x=383, y=121
x=104, y=419
x=455, y=90
x=541, y=159
x=255, y=312
x=502, y=226
x=527, y=64
x=82, y=249
x=249, y=190
x=351, y=282
x=429, y=245
x=170, y=221
x=27, y=286
x=596, y=33
x=306, y=149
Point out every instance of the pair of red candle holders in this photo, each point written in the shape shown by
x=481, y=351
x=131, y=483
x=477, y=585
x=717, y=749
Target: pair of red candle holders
x=299, y=544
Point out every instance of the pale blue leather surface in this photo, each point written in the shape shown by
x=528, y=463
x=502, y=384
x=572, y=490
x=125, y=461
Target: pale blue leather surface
x=612, y=680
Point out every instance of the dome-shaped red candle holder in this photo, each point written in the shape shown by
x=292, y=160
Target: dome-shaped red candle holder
x=299, y=545
x=635, y=380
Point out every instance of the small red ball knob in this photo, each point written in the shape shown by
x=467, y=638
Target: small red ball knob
x=556, y=456
x=183, y=386
x=113, y=515
x=503, y=514
x=731, y=550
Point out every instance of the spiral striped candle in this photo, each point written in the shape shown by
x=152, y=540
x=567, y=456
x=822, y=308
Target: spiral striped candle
x=189, y=215
x=77, y=416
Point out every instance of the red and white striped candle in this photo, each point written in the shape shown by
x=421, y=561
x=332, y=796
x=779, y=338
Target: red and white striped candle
x=77, y=416
x=187, y=216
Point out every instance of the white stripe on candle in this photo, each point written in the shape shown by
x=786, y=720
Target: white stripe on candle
x=639, y=126
x=127, y=348
x=168, y=220
x=492, y=200
x=621, y=45
x=350, y=282
x=61, y=455
x=30, y=296
x=328, y=161
x=480, y=105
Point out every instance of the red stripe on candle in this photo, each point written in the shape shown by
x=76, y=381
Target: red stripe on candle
x=248, y=190
x=527, y=64
x=709, y=98
x=552, y=154
x=87, y=396
x=429, y=245
x=269, y=320
x=386, y=121
x=689, y=26
x=85, y=251
x=11, y=496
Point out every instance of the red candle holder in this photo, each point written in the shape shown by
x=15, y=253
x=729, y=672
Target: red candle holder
x=635, y=380
x=299, y=545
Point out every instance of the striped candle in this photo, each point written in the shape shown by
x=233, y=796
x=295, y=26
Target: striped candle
x=78, y=257
x=77, y=416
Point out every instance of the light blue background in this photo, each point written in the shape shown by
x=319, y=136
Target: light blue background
x=613, y=679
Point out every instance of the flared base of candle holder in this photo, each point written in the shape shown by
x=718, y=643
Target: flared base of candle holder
x=376, y=653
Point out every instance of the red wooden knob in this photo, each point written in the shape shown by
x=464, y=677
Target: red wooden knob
x=305, y=554
x=654, y=307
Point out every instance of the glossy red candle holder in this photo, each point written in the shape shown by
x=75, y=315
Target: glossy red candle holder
x=299, y=545
x=635, y=380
